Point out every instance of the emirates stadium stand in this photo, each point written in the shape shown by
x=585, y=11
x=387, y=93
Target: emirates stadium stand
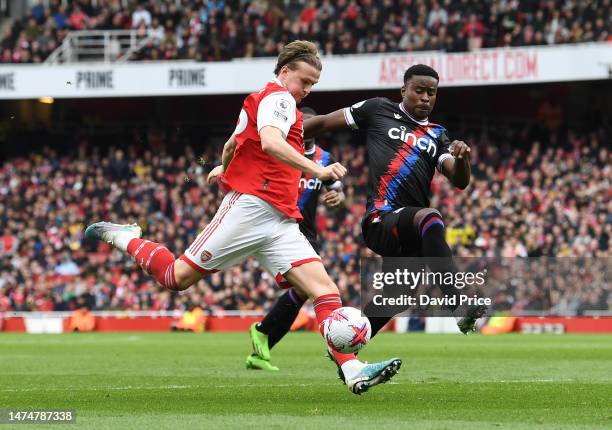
x=117, y=110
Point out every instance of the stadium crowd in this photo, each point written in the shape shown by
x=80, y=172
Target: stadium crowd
x=552, y=199
x=214, y=30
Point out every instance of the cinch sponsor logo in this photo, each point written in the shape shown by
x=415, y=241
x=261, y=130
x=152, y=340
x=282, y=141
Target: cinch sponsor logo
x=310, y=184
x=7, y=81
x=423, y=143
x=94, y=80
x=187, y=77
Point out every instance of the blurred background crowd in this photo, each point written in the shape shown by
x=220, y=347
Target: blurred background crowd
x=215, y=30
x=527, y=199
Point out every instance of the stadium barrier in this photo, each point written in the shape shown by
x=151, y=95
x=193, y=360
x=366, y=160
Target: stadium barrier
x=536, y=325
x=59, y=322
x=236, y=321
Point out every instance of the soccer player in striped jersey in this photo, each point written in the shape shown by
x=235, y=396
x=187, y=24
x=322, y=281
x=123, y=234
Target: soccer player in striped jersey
x=278, y=321
x=404, y=150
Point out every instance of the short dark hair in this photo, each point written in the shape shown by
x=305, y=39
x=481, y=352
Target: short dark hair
x=308, y=111
x=296, y=51
x=420, y=70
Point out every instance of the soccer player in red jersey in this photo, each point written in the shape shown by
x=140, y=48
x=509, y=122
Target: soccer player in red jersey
x=262, y=164
x=277, y=322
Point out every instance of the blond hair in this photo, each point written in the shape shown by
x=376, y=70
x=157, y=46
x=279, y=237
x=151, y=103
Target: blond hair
x=296, y=51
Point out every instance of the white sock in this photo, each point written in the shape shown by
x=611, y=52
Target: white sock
x=122, y=239
x=351, y=368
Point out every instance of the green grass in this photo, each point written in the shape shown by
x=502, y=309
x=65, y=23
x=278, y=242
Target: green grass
x=170, y=380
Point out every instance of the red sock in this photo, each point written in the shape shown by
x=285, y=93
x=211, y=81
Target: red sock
x=323, y=306
x=155, y=259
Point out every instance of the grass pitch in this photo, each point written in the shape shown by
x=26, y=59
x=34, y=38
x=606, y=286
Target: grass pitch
x=181, y=380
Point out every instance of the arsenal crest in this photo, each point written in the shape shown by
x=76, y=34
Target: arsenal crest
x=205, y=256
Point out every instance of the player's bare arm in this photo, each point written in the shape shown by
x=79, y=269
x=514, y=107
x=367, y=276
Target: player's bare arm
x=273, y=143
x=457, y=169
x=320, y=124
x=228, y=153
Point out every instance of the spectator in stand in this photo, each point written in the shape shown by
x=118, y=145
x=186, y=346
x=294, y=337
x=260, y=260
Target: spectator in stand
x=437, y=17
x=77, y=19
x=474, y=31
x=222, y=30
x=141, y=15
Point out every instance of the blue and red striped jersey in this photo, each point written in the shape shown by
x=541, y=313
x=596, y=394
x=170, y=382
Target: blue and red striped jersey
x=309, y=190
x=403, y=153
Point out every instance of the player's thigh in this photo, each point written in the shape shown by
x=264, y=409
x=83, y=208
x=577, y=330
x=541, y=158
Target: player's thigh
x=393, y=234
x=238, y=229
x=311, y=279
x=381, y=234
x=408, y=233
x=292, y=260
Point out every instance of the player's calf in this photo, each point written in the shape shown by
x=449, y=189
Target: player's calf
x=154, y=258
x=279, y=319
x=430, y=227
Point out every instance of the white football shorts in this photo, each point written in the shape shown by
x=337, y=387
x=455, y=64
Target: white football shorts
x=244, y=226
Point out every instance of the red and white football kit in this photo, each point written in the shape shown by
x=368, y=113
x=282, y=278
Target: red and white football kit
x=259, y=216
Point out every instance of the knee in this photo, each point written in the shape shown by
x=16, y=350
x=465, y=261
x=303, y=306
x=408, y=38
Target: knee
x=425, y=214
x=318, y=288
x=329, y=287
x=428, y=218
x=180, y=285
x=182, y=277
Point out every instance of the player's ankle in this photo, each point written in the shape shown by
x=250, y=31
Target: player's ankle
x=123, y=239
x=351, y=368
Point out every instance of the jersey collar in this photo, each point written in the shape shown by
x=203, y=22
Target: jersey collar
x=312, y=151
x=418, y=121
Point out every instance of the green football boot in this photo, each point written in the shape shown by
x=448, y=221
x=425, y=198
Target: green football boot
x=255, y=362
x=259, y=341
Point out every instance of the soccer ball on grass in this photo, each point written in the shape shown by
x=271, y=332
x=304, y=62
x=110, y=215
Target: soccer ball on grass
x=346, y=330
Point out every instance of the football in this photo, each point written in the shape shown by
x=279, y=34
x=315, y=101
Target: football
x=346, y=330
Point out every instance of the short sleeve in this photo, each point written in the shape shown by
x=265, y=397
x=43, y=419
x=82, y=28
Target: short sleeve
x=360, y=114
x=277, y=110
x=443, y=149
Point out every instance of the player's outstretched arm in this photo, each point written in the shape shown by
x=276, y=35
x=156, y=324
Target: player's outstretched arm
x=457, y=169
x=273, y=143
x=319, y=124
